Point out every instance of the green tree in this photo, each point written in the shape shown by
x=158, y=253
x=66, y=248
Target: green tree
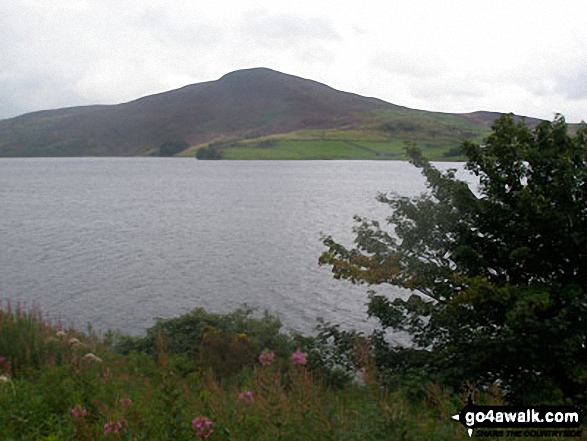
x=498, y=273
x=210, y=152
x=170, y=148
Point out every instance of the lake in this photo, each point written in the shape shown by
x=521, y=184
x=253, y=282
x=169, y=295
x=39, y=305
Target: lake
x=119, y=241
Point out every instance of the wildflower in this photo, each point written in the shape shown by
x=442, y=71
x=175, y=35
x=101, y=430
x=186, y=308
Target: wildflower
x=246, y=397
x=4, y=379
x=91, y=357
x=125, y=401
x=241, y=336
x=4, y=366
x=78, y=412
x=114, y=427
x=60, y=334
x=359, y=378
x=74, y=341
x=298, y=357
x=203, y=427
x=266, y=358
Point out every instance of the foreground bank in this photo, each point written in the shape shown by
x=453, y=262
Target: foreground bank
x=206, y=376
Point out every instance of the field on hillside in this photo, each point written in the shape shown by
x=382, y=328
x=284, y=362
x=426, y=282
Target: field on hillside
x=326, y=149
x=380, y=140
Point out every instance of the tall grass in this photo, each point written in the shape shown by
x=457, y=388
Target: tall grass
x=59, y=384
x=29, y=340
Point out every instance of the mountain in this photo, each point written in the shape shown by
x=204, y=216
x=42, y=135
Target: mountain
x=245, y=110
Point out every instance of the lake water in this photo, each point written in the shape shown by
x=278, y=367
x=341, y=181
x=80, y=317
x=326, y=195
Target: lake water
x=119, y=241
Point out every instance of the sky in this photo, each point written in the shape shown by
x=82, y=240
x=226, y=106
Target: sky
x=527, y=57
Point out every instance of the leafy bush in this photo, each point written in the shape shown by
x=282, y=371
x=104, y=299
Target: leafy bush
x=171, y=148
x=210, y=152
x=453, y=151
x=226, y=354
x=333, y=353
x=186, y=334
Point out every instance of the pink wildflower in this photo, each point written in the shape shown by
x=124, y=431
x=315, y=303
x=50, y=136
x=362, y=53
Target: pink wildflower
x=298, y=357
x=78, y=412
x=125, y=401
x=266, y=358
x=203, y=427
x=2, y=359
x=114, y=427
x=246, y=397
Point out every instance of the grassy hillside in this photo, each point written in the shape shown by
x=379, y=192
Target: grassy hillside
x=253, y=113
x=383, y=136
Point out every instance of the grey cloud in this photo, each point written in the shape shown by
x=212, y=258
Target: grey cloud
x=285, y=30
x=315, y=55
x=41, y=93
x=442, y=88
x=151, y=16
x=164, y=29
x=93, y=57
x=409, y=65
x=426, y=75
x=573, y=86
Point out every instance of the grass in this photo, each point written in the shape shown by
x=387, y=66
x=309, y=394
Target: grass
x=60, y=384
x=303, y=149
x=325, y=149
x=380, y=140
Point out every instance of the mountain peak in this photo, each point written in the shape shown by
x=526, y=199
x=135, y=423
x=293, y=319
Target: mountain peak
x=244, y=103
x=250, y=73
x=261, y=76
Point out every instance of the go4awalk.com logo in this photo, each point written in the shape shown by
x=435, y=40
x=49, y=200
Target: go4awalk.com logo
x=515, y=421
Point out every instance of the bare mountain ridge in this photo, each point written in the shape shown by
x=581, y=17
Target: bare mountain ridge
x=247, y=103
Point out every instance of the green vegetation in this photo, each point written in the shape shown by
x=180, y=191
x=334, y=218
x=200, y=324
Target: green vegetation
x=371, y=144
x=170, y=148
x=308, y=149
x=379, y=136
x=209, y=376
x=210, y=152
x=499, y=276
x=200, y=376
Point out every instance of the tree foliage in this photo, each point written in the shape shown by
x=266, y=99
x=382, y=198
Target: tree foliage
x=498, y=273
x=210, y=152
x=170, y=148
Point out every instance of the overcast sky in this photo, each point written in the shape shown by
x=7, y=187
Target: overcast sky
x=527, y=57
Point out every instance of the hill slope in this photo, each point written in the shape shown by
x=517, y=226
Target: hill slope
x=249, y=106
